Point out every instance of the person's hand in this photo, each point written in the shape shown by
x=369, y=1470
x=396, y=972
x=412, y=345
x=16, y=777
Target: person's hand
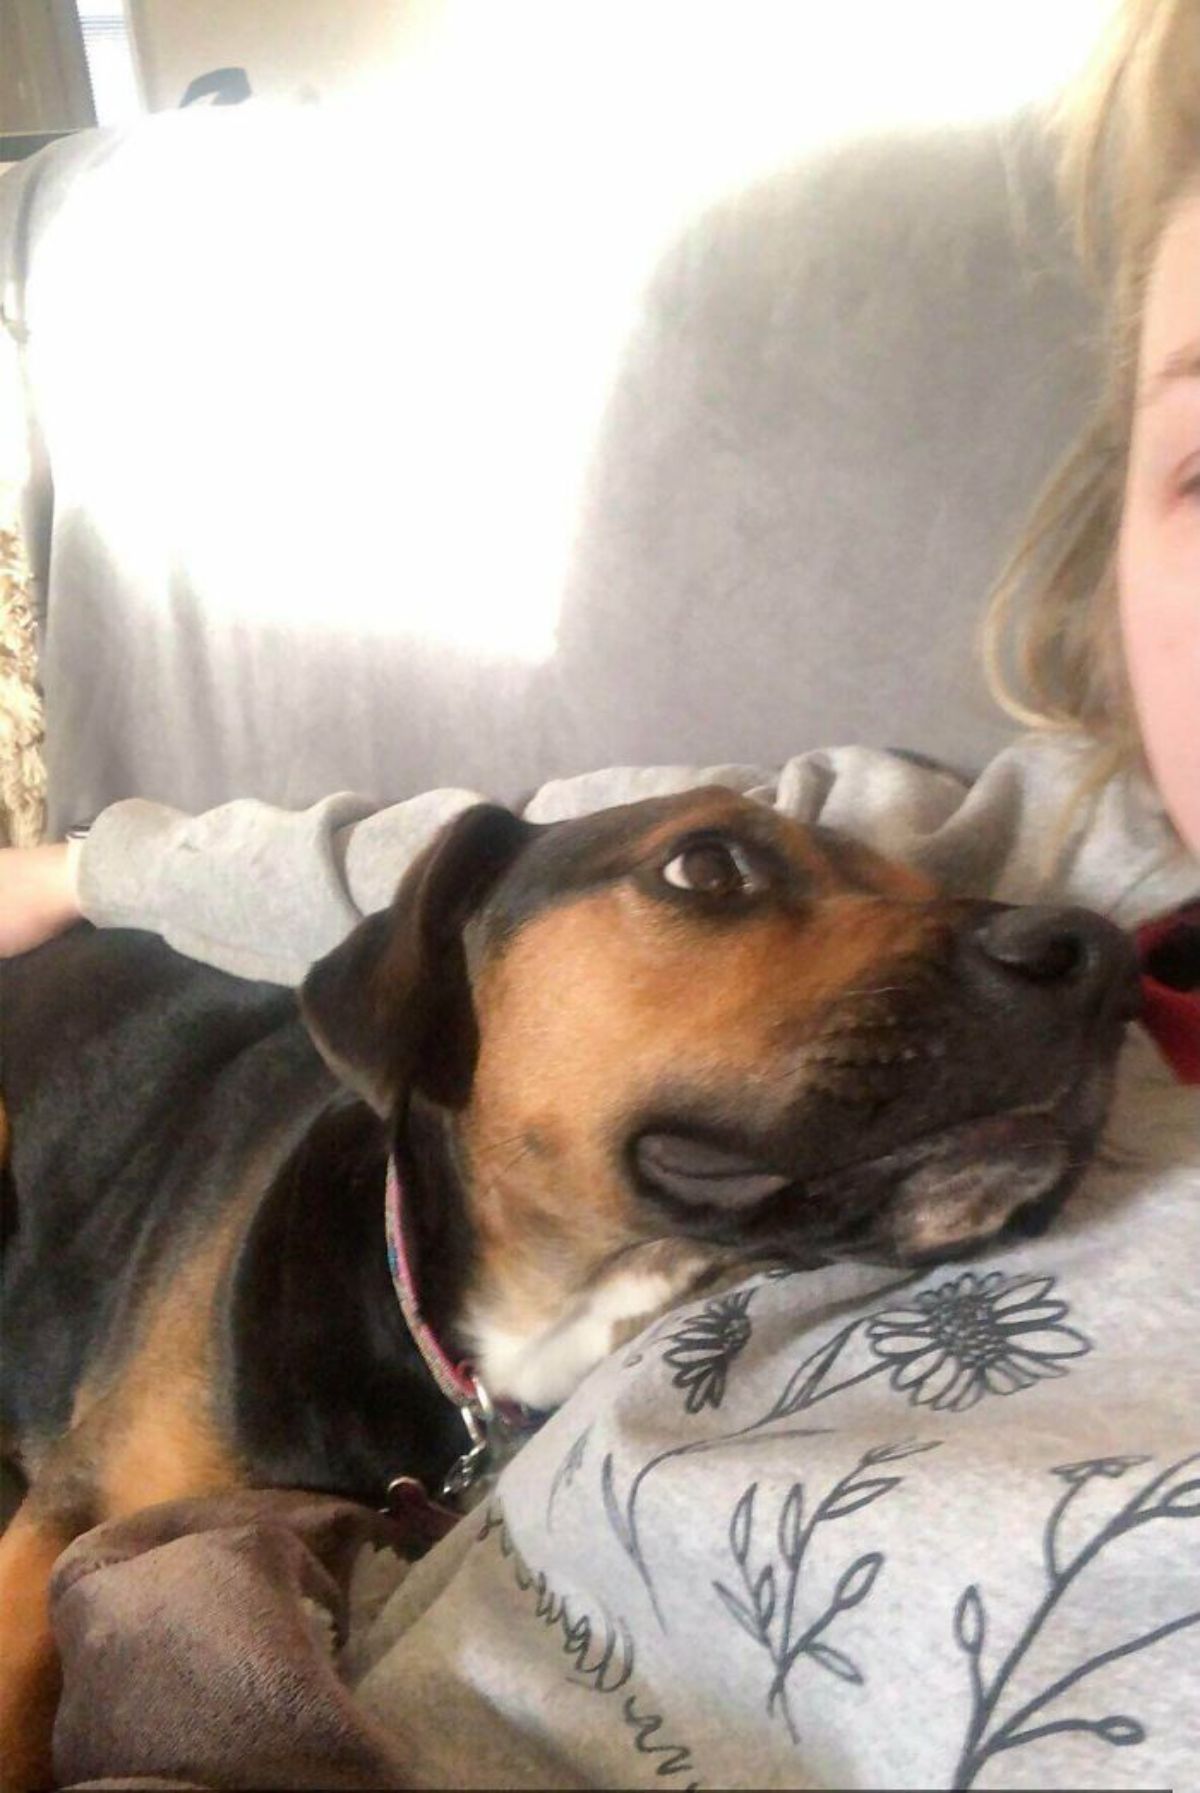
x=37, y=896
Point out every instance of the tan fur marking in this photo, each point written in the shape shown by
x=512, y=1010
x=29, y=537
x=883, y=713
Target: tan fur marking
x=159, y=1437
x=29, y=1672
x=145, y=1435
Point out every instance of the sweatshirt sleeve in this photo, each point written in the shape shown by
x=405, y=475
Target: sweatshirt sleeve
x=262, y=892
x=251, y=889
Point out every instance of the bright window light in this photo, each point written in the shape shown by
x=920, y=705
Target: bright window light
x=413, y=299
x=109, y=54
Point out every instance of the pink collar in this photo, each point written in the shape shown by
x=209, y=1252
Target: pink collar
x=494, y=1428
x=456, y=1381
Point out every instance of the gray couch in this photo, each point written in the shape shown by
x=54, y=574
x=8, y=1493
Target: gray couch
x=321, y=497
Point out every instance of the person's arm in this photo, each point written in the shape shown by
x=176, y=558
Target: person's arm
x=262, y=892
x=250, y=888
x=38, y=898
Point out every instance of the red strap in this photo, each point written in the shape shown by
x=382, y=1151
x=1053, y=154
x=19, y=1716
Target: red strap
x=1171, y=1011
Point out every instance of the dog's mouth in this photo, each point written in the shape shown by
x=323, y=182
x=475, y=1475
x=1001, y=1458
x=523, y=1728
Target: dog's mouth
x=946, y=1189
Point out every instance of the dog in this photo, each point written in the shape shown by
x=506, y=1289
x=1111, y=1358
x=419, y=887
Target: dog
x=609, y=1061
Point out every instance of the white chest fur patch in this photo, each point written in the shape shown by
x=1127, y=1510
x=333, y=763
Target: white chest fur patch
x=540, y=1368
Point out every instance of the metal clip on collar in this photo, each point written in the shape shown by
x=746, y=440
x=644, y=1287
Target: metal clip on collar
x=482, y=1421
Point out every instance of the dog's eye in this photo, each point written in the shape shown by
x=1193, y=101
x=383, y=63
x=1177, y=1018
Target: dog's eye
x=712, y=868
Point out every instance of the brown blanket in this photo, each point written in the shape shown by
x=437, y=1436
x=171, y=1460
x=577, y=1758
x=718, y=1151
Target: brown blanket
x=200, y=1641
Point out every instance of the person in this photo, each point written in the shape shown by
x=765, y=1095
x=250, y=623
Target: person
x=1101, y=593
x=976, y=1563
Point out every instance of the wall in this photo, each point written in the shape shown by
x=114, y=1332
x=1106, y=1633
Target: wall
x=286, y=46
x=792, y=68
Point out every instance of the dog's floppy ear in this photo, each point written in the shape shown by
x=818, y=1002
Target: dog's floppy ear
x=390, y=1008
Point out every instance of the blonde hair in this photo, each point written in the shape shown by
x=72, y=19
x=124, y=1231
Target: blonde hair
x=1129, y=146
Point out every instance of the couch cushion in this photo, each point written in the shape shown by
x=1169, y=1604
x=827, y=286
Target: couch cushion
x=375, y=463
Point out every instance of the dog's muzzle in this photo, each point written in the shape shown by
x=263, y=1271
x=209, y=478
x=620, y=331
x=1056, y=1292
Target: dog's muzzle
x=977, y=1093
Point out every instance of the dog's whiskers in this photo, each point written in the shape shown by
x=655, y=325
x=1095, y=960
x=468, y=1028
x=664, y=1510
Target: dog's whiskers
x=508, y=1150
x=514, y=1148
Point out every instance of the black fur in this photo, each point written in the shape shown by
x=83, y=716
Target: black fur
x=142, y=1089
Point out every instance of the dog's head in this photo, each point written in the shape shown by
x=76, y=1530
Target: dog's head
x=688, y=1032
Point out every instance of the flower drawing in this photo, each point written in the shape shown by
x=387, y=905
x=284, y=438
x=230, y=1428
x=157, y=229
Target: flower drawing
x=975, y=1335
x=704, y=1346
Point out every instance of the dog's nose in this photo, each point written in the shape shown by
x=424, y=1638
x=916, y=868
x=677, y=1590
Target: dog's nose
x=1070, y=951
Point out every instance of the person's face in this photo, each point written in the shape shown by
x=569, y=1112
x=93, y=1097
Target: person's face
x=1159, y=556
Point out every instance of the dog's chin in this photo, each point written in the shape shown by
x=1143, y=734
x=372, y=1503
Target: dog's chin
x=944, y=1193
x=961, y=1188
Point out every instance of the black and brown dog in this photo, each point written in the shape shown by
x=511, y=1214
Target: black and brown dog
x=613, y=1058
